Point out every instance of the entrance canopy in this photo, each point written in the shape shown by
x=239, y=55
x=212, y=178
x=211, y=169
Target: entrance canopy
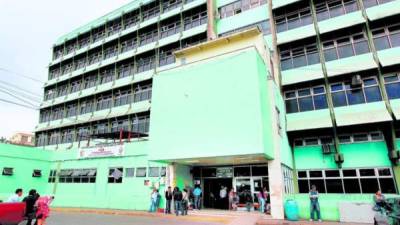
x=223, y=160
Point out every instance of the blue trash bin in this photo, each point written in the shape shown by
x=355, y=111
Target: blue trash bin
x=291, y=210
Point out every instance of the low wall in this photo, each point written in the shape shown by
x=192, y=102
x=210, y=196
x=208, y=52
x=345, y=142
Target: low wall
x=329, y=203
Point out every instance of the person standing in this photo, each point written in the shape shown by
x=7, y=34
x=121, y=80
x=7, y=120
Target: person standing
x=30, y=201
x=177, y=195
x=185, y=202
x=261, y=201
x=222, y=197
x=230, y=198
x=314, y=204
x=235, y=201
x=379, y=200
x=248, y=199
x=168, y=198
x=197, y=197
x=15, y=197
x=43, y=209
x=153, y=200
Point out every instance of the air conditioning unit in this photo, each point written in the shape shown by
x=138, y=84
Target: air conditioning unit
x=326, y=149
x=339, y=158
x=356, y=81
x=394, y=154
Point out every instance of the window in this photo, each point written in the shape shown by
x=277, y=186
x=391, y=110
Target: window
x=141, y=172
x=345, y=94
x=86, y=106
x=386, y=37
x=142, y=93
x=129, y=172
x=90, y=81
x=8, y=171
x=163, y=171
x=299, y=56
x=154, y=171
x=149, y=37
x=127, y=45
x=115, y=175
x=392, y=85
x=306, y=99
x=118, y=125
x=370, y=3
x=83, y=133
x=278, y=120
x=122, y=97
x=107, y=75
x=141, y=124
x=150, y=10
x=195, y=17
x=171, y=4
x=263, y=26
x=241, y=171
x=343, y=47
x=145, y=63
x=77, y=176
x=331, y=9
x=365, y=180
x=287, y=20
x=36, y=173
x=104, y=102
x=125, y=70
x=52, y=176
x=171, y=28
x=259, y=170
x=238, y=7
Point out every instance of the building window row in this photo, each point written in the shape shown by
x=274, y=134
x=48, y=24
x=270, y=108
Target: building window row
x=349, y=181
x=119, y=97
x=347, y=46
x=294, y=57
x=195, y=17
x=386, y=37
x=116, y=175
x=306, y=99
x=343, y=139
x=288, y=19
x=330, y=9
x=119, y=70
x=370, y=3
x=263, y=26
x=75, y=176
x=135, y=123
x=112, y=27
x=343, y=94
x=237, y=7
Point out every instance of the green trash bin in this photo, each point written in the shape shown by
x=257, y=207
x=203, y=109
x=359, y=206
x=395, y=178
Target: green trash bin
x=291, y=210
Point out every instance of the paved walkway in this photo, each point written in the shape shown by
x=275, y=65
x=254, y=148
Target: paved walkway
x=68, y=216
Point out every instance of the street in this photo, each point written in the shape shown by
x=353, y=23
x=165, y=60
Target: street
x=62, y=218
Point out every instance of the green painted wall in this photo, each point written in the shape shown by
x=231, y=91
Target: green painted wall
x=368, y=154
x=24, y=160
x=209, y=109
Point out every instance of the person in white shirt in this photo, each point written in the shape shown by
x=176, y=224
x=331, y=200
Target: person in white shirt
x=222, y=195
x=15, y=197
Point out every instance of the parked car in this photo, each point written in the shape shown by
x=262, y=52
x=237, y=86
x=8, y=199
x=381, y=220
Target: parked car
x=389, y=214
x=12, y=213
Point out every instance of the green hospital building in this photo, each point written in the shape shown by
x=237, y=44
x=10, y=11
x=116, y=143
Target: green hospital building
x=163, y=93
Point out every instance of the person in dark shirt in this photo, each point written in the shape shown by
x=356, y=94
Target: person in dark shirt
x=177, y=194
x=168, y=198
x=30, y=201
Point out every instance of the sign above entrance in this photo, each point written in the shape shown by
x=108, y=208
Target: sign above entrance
x=224, y=172
x=101, y=151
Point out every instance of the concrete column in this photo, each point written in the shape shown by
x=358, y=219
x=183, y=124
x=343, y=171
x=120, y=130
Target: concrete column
x=276, y=188
x=211, y=33
x=171, y=177
x=275, y=174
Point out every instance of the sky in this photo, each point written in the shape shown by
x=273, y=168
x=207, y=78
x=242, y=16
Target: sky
x=28, y=31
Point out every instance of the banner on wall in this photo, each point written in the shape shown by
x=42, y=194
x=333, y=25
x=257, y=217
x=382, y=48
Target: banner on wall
x=101, y=151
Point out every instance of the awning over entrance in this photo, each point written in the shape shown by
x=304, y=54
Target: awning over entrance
x=222, y=160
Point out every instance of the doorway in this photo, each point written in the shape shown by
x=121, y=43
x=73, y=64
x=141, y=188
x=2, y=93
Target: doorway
x=212, y=187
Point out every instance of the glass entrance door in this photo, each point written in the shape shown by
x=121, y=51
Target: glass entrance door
x=242, y=186
x=254, y=185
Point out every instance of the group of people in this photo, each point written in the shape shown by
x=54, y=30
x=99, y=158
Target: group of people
x=183, y=200
x=37, y=208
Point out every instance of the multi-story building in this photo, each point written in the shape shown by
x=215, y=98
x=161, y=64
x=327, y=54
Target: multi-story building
x=191, y=93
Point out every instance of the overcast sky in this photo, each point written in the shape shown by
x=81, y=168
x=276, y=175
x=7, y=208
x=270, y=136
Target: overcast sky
x=28, y=30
